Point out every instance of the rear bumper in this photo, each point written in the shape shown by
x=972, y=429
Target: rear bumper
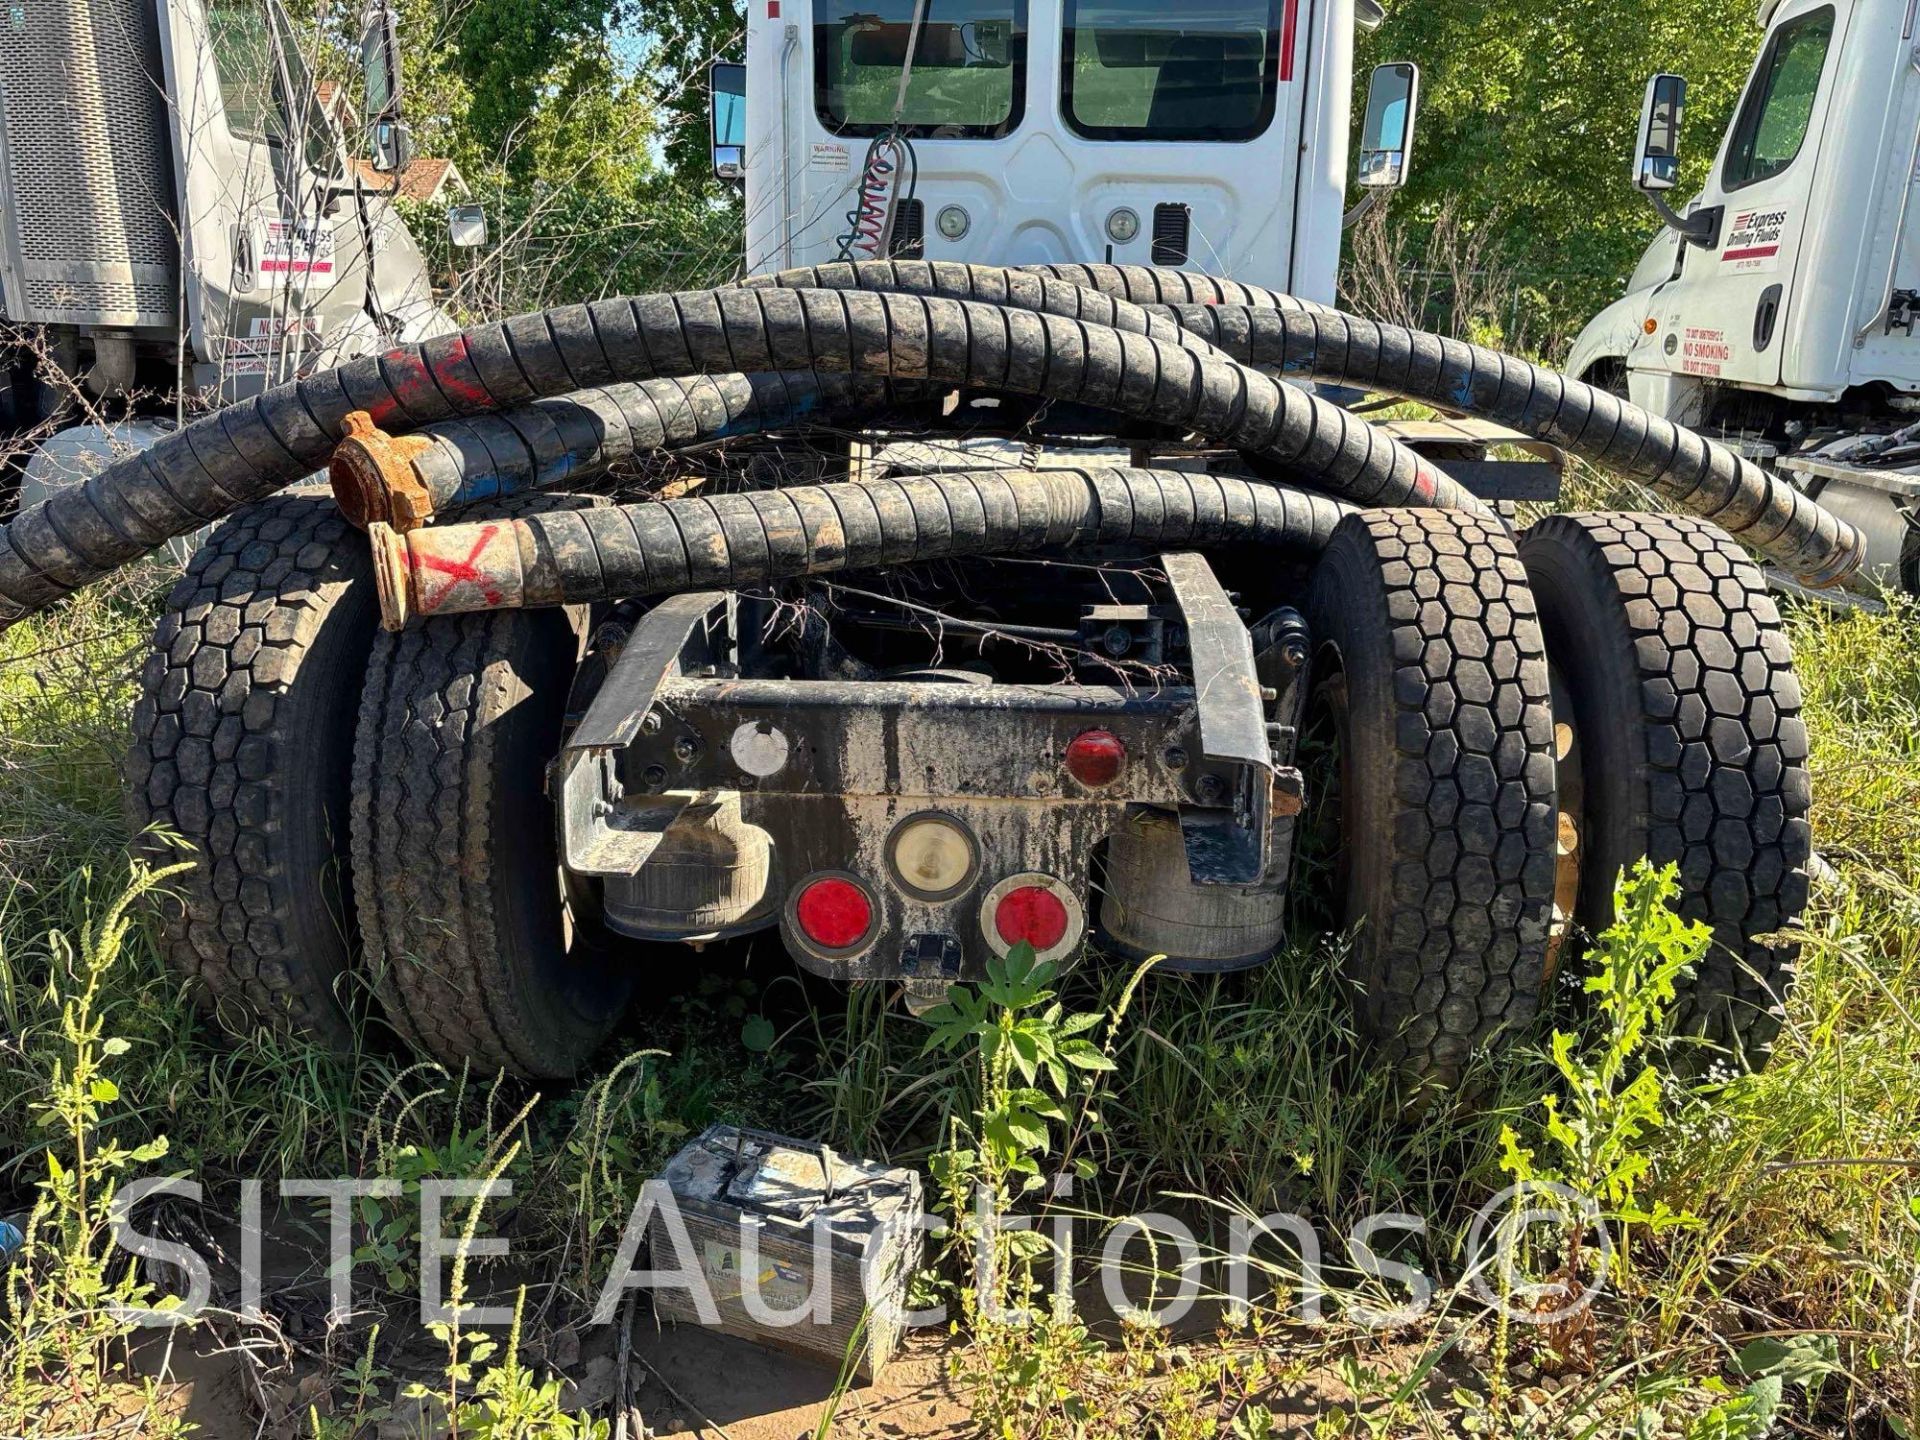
x=704, y=800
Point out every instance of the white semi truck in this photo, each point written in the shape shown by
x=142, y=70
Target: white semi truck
x=1778, y=312
x=182, y=222
x=1211, y=135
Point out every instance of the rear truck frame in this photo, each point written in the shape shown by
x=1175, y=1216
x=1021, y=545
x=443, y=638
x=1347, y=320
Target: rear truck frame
x=915, y=608
x=937, y=819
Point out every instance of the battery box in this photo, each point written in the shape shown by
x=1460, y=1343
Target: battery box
x=801, y=1207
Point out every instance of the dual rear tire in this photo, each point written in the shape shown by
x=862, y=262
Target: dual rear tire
x=1672, y=674
x=363, y=807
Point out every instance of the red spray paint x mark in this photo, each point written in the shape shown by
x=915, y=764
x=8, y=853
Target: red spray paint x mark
x=454, y=385
x=458, y=573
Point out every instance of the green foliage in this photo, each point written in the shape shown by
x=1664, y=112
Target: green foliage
x=507, y=1400
x=1614, y=1099
x=70, y=1296
x=1028, y=1048
x=1529, y=112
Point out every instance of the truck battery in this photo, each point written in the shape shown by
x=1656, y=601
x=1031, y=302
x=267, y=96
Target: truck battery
x=815, y=1219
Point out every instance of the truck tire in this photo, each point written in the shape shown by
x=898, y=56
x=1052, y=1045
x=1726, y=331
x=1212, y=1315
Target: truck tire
x=468, y=939
x=1681, y=683
x=1432, y=662
x=243, y=746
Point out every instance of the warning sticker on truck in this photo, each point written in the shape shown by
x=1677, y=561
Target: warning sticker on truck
x=1703, y=352
x=1753, y=241
x=830, y=156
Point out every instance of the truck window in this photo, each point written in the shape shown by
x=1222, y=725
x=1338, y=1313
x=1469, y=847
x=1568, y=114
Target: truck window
x=1773, y=123
x=969, y=75
x=243, y=60
x=243, y=39
x=1157, y=70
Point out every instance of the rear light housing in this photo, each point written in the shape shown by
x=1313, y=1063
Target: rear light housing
x=833, y=914
x=932, y=856
x=1095, y=758
x=1038, y=909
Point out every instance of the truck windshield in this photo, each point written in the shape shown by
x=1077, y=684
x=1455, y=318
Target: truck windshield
x=1158, y=70
x=1773, y=125
x=969, y=74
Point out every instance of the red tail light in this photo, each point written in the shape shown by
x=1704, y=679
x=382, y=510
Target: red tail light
x=1095, y=757
x=833, y=912
x=1031, y=914
x=1038, y=909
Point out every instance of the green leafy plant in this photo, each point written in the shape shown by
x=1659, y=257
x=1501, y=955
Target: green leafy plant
x=1028, y=1048
x=1615, y=1099
x=73, y=1290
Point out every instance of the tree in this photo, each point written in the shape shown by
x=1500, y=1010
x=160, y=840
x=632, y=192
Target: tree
x=1529, y=113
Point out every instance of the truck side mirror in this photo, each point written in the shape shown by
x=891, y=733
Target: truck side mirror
x=1386, y=137
x=392, y=146
x=1656, y=154
x=467, y=226
x=1656, y=162
x=727, y=104
x=380, y=62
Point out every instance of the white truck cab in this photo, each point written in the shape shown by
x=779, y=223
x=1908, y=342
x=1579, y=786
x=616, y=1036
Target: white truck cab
x=183, y=222
x=1210, y=134
x=1779, y=309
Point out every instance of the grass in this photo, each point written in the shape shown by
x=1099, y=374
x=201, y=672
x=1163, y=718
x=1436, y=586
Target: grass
x=1802, y=1182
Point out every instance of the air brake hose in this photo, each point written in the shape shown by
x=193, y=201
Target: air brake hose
x=728, y=541
x=1685, y=468
x=254, y=447
x=572, y=438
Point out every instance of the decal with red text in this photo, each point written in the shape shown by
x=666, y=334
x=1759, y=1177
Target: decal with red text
x=277, y=340
x=293, y=249
x=1703, y=352
x=1753, y=241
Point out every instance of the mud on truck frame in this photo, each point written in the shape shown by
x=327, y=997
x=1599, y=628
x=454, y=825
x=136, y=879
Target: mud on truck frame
x=965, y=606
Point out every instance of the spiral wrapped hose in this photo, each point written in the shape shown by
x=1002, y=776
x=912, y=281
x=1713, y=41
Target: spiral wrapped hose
x=727, y=541
x=1684, y=468
x=572, y=438
x=1149, y=285
x=1030, y=288
x=254, y=447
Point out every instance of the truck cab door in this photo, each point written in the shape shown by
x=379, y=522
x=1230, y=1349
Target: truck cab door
x=276, y=269
x=1722, y=319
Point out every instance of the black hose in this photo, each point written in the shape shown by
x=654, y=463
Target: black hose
x=573, y=438
x=1021, y=289
x=1150, y=285
x=254, y=447
x=1685, y=468
x=727, y=541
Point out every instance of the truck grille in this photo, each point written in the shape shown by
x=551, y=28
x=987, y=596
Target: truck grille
x=88, y=203
x=1172, y=225
x=909, y=238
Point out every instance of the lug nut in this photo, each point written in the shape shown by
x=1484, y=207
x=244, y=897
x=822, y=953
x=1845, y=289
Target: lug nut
x=687, y=749
x=1174, y=758
x=1211, y=789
